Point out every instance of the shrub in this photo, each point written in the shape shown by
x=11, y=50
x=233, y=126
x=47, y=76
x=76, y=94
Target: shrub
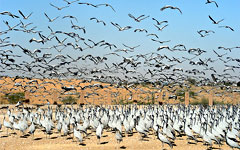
x=13, y=98
x=69, y=100
x=204, y=102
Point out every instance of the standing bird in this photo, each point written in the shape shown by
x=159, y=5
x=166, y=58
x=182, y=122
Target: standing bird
x=118, y=136
x=99, y=131
x=77, y=134
x=163, y=139
x=7, y=125
x=32, y=129
x=171, y=7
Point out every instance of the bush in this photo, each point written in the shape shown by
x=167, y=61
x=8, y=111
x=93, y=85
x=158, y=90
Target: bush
x=204, y=102
x=69, y=100
x=13, y=98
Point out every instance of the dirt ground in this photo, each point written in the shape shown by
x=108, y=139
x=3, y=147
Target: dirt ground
x=15, y=141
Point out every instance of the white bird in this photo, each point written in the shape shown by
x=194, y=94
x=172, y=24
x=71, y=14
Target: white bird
x=77, y=134
x=7, y=125
x=99, y=132
x=163, y=139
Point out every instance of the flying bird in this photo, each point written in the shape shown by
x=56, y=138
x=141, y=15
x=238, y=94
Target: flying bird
x=159, y=23
x=51, y=20
x=227, y=27
x=209, y=1
x=25, y=17
x=89, y=4
x=215, y=22
x=138, y=19
x=106, y=5
x=121, y=28
x=70, y=2
x=161, y=28
x=58, y=8
x=98, y=21
x=171, y=7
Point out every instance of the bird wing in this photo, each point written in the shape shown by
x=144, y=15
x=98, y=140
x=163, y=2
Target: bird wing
x=21, y=13
x=211, y=19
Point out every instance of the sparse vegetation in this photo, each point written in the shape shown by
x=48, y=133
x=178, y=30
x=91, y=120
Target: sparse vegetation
x=191, y=81
x=69, y=100
x=13, y=98
x=204, y=101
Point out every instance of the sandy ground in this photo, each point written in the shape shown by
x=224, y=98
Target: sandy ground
x=108, y=141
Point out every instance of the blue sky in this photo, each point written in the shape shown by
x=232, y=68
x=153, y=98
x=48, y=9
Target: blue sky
x=181, y=29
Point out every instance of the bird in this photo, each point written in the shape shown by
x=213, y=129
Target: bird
x=99, y=131
x=163, y=139
x=141, y=30
x=228, y=27
x=204, y=33
x=7, y=125
x=118, y=136
x=9, y=14
x=171, y=7
x=70, y=2
x=161, y=28
x=58, y=8
x=159, y=23
x=121, y=28
x=213, y=21
x=77, y=134
x=70, y=16
x=138, y=19
x=98, y=21
x=25, y=17
x=233, y=143
x=209, y=1
x=32, y=129
x=106, y=5
x=89, y=4
x=19, y=103
x=51, y=20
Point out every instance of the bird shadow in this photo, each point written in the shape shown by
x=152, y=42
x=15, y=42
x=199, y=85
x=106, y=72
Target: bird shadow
x=37, y=139
x=69, y=138
x=82, y=144
x=103, y=143
x=105, y=136
x=192, y=143
x=4, y=136
x=54, y=137
x=123, y=147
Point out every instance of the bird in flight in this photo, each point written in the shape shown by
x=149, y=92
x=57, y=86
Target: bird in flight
x=159, y=23
x=209, y=1
x=138, y=19
x=121, y=28
x=171, y=7
x=106, y=5
x=227, y=27
x=24, y=17
x=98, y=21
x=70, y=2
x=51, y=20
x=89, y=4
x=204, y=33
x=58, y=8
x=160, y=29
x=215, y=22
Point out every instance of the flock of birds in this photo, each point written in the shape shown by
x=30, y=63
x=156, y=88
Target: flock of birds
x=70, y=54
x=211, y=126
